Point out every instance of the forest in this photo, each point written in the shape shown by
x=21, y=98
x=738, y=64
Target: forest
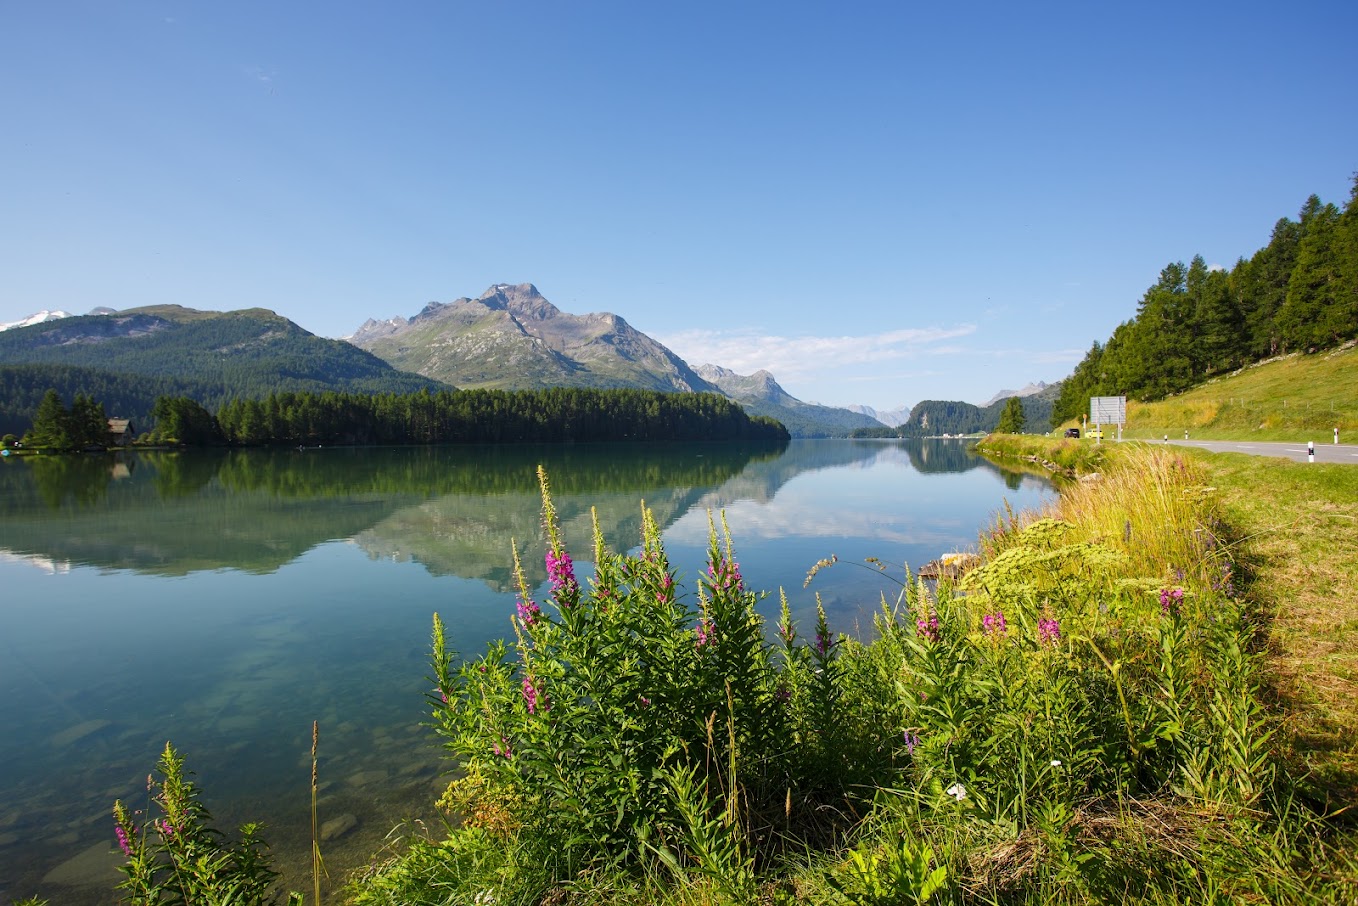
x=1299, y=293
x=553, y=415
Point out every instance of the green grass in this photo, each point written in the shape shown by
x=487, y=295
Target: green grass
x=1280, y=399
x=1091, y=715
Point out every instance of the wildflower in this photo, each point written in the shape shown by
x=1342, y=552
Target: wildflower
x=529, y=612
x=124, y=841
x=783, y=694
x=167, y=830
x=911, y=740
x=822, y=641
x=503, y=749
x=561, y=571
x=957, y=791
x=1056, y=762
x=994, y=625
x=1049, y=631
x=704, y=631
x=535, y=698
x=725, y=574
x=1170, y=599
x=645, y=702
x=928, y=628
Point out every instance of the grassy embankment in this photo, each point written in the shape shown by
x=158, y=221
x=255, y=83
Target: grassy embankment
x=1297, y=530
x=1293, y=398
x=1114, y=706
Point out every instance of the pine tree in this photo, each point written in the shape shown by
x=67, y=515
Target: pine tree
x=1012, y=418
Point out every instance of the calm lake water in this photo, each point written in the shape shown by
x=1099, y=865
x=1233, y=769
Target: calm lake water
x=225, y=600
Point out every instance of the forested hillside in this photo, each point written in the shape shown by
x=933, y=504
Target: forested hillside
x=553, y=415
x=934, y=418
x=128, y=359
x=1297, y=294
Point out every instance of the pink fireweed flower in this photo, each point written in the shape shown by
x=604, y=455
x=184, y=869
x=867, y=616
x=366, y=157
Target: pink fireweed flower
x=994, y=625
x=561, y=571
x=1049, y=631
x=725, y=574
x=704, y=630
x=822, y=642
x=535, y=698
x=928, y=627
x=124, y=841
x=503, y=749
x=1170, y=599
x=529, y=612
x=167, y=830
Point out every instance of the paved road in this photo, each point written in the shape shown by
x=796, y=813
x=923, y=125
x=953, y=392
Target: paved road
x=1325, y=452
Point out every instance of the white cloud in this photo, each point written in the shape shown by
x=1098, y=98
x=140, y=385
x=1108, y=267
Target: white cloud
x=789, y=358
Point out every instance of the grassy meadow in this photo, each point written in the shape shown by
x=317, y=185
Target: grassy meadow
x=1280, y=399
x=1147, y=694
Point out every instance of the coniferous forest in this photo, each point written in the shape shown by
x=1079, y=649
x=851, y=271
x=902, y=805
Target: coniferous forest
x=1299, y=293
x=554, y=415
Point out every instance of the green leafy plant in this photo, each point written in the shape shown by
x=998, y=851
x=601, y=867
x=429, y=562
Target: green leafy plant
x=177, y=857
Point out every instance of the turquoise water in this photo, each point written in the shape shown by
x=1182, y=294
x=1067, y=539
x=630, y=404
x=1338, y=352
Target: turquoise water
x=225, y=600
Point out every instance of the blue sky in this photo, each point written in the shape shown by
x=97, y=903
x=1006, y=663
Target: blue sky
x=878, y=203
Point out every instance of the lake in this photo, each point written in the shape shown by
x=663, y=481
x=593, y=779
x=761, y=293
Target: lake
x=223, y=600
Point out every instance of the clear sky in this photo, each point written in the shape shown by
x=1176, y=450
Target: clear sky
x=877, y=202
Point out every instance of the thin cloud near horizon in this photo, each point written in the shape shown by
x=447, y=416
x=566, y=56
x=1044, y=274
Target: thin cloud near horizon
x=747, y=351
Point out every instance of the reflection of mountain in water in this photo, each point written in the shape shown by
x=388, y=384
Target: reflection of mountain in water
x=175, y=513
x=452, y=509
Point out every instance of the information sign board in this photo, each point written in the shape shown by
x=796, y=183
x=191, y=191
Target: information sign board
x=1108, y=410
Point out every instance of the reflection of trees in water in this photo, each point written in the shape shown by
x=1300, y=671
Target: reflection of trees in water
x=454, y=509
x=77, y=479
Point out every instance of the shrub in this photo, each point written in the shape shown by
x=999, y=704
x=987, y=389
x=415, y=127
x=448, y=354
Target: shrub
x=179, y=858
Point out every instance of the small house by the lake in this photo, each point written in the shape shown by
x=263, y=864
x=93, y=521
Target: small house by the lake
x=120, y=432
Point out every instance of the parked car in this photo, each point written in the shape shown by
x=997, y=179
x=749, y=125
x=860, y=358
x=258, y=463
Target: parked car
x=1072, y=432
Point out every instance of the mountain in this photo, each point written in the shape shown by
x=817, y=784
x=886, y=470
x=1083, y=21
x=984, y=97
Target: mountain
x=137, y=354
x=889, y=417
x=511, y=337
x=36, y=318
x=1029, y=390
x=932, y=418
x=760, y=394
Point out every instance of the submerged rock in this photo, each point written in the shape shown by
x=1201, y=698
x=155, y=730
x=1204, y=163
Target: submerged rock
x=79, y=732
x=338, y=827
x=93, y=867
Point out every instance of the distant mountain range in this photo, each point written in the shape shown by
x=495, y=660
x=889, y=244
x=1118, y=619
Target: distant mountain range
x=1029, y=390
x=127, y=359
x=510, y=337
x=760, y=394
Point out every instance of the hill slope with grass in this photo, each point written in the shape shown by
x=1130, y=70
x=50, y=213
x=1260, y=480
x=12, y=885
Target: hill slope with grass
x=1278, y=399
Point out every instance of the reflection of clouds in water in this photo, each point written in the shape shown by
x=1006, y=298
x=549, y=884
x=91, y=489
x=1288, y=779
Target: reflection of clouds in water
x=784, y=518
x=46, y=564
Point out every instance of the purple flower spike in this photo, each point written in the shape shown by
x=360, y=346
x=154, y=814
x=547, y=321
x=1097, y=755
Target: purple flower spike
x=704, y=632
x=535, y=698
x=1049, y=631
x=911, y=741
x=124, y=843
x=561, y=571
x=529, y=612
x=993, y=625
